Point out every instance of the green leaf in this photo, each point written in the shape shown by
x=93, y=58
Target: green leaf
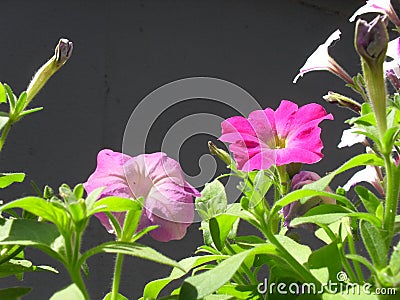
x=131, y=221
x=132, y=249
x=25, y=232
x=14, y=293
x=114, y=204
x=21, y=103
x=119, y=297
x=152, y=289
x=370, y=201
x=374, y=243
x=70, y=292
x=321, y=184
x=220, y=227
x=261, y=185
x=212, y=201
x=78, y=191
x=239, y=292
x=304, y=195
x=3, y=97
x=300, y=252
x=92, y=198
x=17, y=266
x=204, y=284
x=395, y=260
x=40, y=207
x=353, y=293
x=10, y=95
x=3, y=119
x=322, y=258
x=30, y=111
x=7, y=179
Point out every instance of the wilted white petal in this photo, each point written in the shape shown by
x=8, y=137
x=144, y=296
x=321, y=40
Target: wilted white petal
x=377, y=6
x=321, y=60
x=349, y=138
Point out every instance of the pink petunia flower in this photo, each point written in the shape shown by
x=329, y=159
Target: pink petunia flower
x=288, y=135
x=377, y=6
x=168, y=198
x=320, y=60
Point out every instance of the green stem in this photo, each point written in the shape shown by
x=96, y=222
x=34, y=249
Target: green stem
x=117, y=276
x=375, y=84
x=345, y=263
x=298, y=268
x=356, y=264
x=4, y=134
x=391, y=199
x=76, y=277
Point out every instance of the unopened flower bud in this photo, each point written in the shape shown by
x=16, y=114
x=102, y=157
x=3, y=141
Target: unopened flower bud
x=62, y=53
x=371, y=40
x=343, y=101
x=221, y=154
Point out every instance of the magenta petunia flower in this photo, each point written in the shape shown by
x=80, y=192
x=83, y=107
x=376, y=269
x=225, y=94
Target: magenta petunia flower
x=288, y=135
x=168, y=198
x=377, y=6
x=392, y=68
x=320, y=60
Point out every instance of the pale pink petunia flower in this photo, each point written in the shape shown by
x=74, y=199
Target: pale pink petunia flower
x=288, y=135
x=320, y=60
x=168, y=198
x=377, y=6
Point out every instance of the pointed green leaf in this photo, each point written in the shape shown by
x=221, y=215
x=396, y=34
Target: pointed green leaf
x=10, y=95
x=220, y=227
x=21, y=102
x=370, y=201
x=374, y=243
x=152, y=289
x=18, y=266
x=114, y=204
x=7, y=179
x=3, y=97
x=30, y=233
x=204, y=284
x=30, y=111
x=132, y=249
x=40, y=207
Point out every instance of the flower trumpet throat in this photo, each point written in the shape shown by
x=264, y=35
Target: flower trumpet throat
x=62, y=53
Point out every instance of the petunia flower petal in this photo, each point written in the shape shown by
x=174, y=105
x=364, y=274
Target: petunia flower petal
x=320, y=60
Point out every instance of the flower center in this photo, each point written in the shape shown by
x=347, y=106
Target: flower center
x=279, y=142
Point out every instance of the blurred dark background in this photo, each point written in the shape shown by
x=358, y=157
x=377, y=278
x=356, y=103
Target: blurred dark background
x=123, y=50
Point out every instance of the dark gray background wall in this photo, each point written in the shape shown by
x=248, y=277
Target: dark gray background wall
x=123, y=50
